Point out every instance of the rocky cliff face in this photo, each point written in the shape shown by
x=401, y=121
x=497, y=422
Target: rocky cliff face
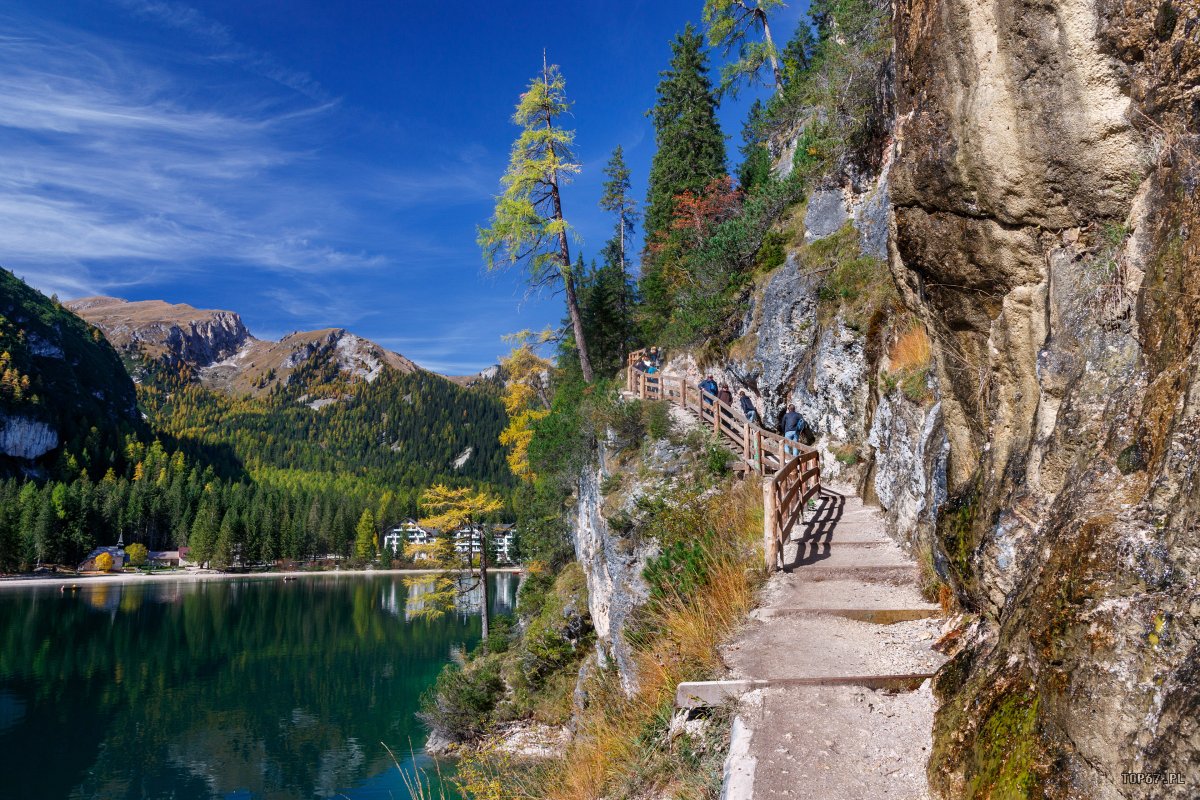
x=177, y=333
x=1044, y=228
x=612, y=566
x=1039, y=193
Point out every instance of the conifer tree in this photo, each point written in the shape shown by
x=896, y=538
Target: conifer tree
x=756, y=159
x=617, y=200
x=450, y=510
x=527, y=225
x=690, y=155
x=365, y=537
x=731, y=25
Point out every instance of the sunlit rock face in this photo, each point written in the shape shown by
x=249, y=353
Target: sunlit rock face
x=1044, y=220
x=612, y=566
x=21, y=437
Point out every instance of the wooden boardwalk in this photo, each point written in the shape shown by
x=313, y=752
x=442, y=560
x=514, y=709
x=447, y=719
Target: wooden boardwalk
x=791, y=471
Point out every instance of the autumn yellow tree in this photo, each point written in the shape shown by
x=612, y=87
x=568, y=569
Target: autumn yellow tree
x=104, y=562
x=525, y=398
x=137, y=553
x=448, y=510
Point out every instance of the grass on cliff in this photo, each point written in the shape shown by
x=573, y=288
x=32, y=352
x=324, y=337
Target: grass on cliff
x=909, y=361
x=622, y=746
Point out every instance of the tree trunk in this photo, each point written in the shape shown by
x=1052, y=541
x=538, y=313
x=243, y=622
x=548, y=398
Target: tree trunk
x=771, y=50
x=484, y=541
x=564, y=255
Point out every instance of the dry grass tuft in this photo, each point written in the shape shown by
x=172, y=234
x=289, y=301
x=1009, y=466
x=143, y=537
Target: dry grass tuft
x=911, y=351
x=620, y=740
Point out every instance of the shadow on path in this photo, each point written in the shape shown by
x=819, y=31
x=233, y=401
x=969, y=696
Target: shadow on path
x=814, y=537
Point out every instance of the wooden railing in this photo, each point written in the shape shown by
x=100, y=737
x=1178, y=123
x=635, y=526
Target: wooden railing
x=791, y=471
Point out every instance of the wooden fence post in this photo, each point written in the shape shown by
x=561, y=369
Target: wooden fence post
x=769, y=552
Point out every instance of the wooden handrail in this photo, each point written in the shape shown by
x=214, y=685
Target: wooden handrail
x=791, y=471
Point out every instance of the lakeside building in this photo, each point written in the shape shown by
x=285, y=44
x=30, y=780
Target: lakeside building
x=466, y=540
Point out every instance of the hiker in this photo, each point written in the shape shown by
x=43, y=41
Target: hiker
x=709, y=386
x=650, y=366
x=748, y=407
x=655, y=359
x=724, y=395
x=793, y=424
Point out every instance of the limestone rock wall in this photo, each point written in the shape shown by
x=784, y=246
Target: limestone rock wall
x=1044, y=220
x=25, y=438
x=612, y=566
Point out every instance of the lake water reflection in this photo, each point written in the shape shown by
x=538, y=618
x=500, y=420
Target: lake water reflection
x=241, y=688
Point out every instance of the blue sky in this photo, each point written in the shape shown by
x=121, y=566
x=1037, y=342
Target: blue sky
x=310, y=164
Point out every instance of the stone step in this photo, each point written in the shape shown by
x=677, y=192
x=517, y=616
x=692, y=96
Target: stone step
x=840, y=742
x=704, y=694
x=816, y=646
x=856, y=555
x=875, y=616
x=846, y=592
x=897, y=575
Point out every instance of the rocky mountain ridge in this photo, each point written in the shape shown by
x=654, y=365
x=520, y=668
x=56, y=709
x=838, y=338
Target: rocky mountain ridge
x=222, y=352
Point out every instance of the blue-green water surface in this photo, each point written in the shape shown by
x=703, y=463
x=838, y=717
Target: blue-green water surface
x=229, y=689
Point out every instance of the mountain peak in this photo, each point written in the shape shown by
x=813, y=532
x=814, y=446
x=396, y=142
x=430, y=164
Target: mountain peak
x=221, y=349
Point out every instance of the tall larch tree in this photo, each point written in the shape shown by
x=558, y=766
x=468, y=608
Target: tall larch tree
x=690, y=150
x=449, y=510
x=735, y=25
x=527, y=225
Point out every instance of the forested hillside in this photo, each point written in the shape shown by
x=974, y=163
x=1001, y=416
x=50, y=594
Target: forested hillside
x=63, y=390
x=399, y=433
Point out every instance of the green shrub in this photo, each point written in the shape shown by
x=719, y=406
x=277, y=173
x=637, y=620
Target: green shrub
x=657, y=419
x=716, y=459
x=500, y=635
x=771, y=254
x=462, y=700
x=681, y=568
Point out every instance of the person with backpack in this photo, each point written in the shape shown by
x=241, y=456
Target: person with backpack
x=724, y=395
x=793, y=424
x=709, y=386
x=748, y=407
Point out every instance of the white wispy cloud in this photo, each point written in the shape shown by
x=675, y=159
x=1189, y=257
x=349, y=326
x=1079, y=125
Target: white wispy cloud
x=108, y=156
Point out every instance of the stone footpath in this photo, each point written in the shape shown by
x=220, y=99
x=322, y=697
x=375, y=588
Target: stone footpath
x=832, y=670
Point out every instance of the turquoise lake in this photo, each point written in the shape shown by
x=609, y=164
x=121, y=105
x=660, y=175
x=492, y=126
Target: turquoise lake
x=242, y=688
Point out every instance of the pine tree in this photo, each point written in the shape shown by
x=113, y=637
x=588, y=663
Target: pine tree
x=755, y=169
x=616, y=199
x=451, y=510
x=205, y=528
x=365, y=536
x=528, y=225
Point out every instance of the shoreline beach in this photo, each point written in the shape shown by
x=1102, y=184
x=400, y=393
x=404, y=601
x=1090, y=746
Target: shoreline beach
x=17, y=581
